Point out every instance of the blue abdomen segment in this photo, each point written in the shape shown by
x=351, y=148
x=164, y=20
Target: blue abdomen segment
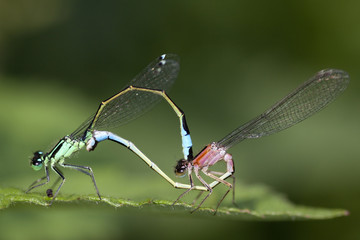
x=186, y=143
x=99, y=136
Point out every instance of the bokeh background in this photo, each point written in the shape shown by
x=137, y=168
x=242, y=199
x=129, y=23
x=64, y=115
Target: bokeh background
x=59, y=59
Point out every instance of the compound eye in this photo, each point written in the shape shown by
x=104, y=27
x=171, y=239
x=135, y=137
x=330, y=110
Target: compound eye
x=181, y=168
x=37, y=161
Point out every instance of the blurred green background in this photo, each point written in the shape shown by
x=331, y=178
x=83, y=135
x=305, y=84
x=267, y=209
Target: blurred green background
x=59, y=59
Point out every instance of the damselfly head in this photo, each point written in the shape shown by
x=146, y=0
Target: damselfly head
x=37, y=161
x=181, y=167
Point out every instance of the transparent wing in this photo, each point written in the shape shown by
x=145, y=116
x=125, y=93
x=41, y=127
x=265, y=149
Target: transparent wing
x=160, y=74
x=307, y=99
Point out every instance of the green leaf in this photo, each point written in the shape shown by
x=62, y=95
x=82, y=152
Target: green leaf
x=256, y=202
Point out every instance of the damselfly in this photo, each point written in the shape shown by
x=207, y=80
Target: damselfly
x=142, y=93
x=304, y=101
